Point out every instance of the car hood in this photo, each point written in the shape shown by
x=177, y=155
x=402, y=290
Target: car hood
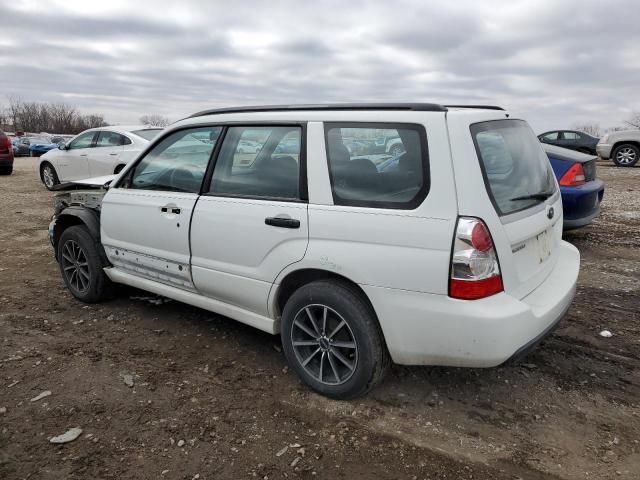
x=95, y=182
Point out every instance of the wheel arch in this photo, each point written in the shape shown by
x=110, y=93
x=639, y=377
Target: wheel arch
x=619, y=143
x=73, y=216
x=295, y=279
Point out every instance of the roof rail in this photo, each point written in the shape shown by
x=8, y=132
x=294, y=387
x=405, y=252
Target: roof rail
x=479, y=107
x=421, y=107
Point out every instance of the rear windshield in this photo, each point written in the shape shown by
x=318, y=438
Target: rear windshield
x=148, y=133
x=516, y=170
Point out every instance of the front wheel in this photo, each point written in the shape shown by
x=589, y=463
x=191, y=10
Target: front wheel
x=6, y=170
x=626, y=155
x=331, y=338
x=396, y=150
x=81, y=266
x=49, y=176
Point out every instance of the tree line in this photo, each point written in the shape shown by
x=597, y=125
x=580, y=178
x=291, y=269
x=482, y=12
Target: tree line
x=63, y=118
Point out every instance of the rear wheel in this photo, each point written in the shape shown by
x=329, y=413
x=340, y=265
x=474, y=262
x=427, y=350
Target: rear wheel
x=626, y=155
x=49, y=176
x=81, y=266
x=332, y=339
x=6, y=170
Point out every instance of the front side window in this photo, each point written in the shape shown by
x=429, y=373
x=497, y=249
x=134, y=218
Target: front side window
x=551, y=136
x=517, y=172
x=365, y=172
x=261, y=162
x=178, y=163
x=83, y=141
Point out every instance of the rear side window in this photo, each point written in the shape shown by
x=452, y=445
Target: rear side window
x=111, y=139
x=259, y=162
x=516, y=170
x=377, y=165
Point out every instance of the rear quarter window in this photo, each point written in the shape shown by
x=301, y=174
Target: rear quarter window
x=364, y=172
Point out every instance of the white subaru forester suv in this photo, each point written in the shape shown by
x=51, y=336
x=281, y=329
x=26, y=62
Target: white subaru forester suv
x=447, y=253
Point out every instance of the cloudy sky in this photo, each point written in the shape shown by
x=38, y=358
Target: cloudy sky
x=553, y=63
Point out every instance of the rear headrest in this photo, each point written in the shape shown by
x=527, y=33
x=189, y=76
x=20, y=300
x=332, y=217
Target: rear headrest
x=338, y=153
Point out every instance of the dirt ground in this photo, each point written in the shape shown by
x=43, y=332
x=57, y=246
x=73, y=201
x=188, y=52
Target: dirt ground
x=211, y=398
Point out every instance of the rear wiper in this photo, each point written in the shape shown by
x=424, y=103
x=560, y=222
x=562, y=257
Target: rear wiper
x=534, y=196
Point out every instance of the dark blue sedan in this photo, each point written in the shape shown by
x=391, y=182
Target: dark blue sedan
x=40, y=145
x=581, y=191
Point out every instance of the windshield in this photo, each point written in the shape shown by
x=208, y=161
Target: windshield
x=148, y=133
x=517, y=172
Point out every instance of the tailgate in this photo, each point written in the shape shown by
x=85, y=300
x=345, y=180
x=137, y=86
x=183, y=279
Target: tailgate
x=532, y=247
x=525, y=196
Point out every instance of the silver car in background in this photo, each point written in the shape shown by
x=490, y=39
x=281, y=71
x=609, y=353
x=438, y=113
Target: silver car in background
x=622, y=147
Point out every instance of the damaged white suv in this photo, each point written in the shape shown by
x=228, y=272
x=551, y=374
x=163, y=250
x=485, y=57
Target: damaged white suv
x=445, y=252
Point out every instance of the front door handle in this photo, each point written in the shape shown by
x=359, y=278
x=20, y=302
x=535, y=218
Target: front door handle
x=282, y=222
x=84, y=154
x=114, y=153
x=174, y=210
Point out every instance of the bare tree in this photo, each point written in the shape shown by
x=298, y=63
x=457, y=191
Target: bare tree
x=634, y=120
x=49, y=117
x=154, y=120
x=592, y=128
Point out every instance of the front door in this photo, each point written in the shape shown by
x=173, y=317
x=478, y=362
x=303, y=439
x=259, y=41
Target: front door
x=73, y=163
x=157, y=198
x=251, y=222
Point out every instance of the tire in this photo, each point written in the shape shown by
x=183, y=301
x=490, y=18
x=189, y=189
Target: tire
x=396, y=150
x=81, y=266
x=626, y=155
x=341, y=372
x=49, y=176
x=6, y=170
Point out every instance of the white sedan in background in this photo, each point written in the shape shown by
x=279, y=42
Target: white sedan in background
x=94, y=153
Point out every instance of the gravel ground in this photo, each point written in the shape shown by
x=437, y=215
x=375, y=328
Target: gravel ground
x=164, y=390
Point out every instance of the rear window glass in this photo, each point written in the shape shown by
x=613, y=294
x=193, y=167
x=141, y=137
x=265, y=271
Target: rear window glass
x=377, y=165
x=517, y=172
x=148, y=133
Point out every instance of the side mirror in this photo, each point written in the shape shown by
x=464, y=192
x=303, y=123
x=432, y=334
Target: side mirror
x=62, y=146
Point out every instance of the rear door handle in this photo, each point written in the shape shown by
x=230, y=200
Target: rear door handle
x=84, y=154
x=282, y=222
x=114, y=153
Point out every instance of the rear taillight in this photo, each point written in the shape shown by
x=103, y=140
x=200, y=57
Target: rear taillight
x=5, y=144
x=574, y=176
x=475, y=272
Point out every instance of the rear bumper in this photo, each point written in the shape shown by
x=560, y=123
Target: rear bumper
x=604, y=150
x=426, y=329
x=581, y=204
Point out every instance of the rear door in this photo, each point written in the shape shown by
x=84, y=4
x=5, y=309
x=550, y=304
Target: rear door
x=515, y=192
x=251, y=222
x=104, y=157
x=157, y=198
